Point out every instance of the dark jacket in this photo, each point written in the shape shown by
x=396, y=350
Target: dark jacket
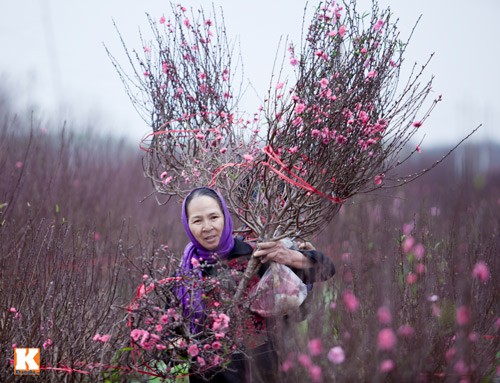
x=240, y=369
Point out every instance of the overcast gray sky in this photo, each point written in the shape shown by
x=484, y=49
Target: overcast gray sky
x=53, y=56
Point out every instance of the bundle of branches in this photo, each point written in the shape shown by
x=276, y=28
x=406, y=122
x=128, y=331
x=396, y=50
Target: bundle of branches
x=341, y=128
x=182, y=87
x=163, y=342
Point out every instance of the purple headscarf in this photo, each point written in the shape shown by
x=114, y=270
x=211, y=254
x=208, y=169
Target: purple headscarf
x=192, y=298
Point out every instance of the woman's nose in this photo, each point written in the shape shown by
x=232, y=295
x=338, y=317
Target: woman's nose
x=207, y=226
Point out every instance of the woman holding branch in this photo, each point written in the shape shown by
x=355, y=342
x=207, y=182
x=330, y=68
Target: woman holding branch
x=214, y=252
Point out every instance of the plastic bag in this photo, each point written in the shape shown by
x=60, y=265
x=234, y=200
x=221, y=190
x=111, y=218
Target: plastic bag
x=278, y=292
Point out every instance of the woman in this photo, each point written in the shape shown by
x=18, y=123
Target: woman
x=209, y=226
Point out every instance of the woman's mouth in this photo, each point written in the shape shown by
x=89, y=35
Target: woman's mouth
x=211, y=238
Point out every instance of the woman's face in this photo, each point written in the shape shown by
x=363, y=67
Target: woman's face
x=206, y=221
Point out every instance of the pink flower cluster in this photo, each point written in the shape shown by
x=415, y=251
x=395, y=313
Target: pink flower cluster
x=17, y=314
x=336, y=355
x=409, y=246
x=99, y=338
x=220, y=321
x=481, y=271
x=350, y=300
x=47, y=343
x=145, y=339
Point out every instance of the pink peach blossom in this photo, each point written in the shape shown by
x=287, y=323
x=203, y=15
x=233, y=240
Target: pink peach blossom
x=195, y=263
x=299, y=108
x=384, y=315
x=406, y=331
x=473, y=336
x=419, y=251
x=386, y=339
x=350, y=301
x=342, y=30
x=481, y=271
x=463, y=315
x=105, y=338
x=216, y=345
x=411, y=278
x=287, y=365
x=193, y=350
x=461, y=367
x=314, y=346
x=135, y=334
x=216, y=361
x=378, y=179
x=379, y=24
x=407, y=228
x=201, y=361
x=47, y=344
x=408, y=243
x=387, y=365
x=162, y=20
x=433, y=298
x=315, y=373
x=297, y=121
x=101, y=338
x=420, y=268
x=336, y=355
x=304, y=360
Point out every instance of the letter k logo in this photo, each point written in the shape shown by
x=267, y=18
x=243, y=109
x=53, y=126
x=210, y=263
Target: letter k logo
x=26, y=361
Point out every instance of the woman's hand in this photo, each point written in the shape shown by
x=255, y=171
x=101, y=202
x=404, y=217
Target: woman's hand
x=276, y=251
x=306, y=246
